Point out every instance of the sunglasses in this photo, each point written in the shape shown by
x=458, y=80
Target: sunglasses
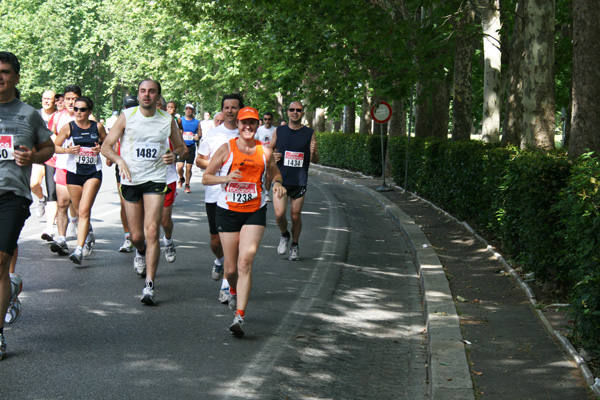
x=82, y=109
x=267, y=119
x=295, y=109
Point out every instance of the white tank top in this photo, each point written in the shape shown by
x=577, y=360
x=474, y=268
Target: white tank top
x=143, y=144
x=63, y=119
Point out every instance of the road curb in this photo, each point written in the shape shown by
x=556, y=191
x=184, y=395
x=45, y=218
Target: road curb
x=447, y=367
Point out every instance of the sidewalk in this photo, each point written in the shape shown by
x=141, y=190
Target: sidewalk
x=486, y=341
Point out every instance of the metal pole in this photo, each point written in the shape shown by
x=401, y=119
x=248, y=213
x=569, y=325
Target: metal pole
x=384, y=187
x=410, y=113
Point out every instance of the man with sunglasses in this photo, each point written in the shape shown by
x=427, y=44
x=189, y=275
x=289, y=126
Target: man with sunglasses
x=294, y=147
x=24, y=139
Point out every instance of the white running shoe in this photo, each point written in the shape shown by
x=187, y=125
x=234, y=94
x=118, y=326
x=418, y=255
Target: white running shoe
x=294, y=253
x=232, y=302
x=224, y=296
x=237, y=328
x=283, y=245
x=217, y=271
x=127, y=247
x=72, y=230
x=170, y=253
x=88, y=246
x=13, y=311
x=148, y=294
x=41, y=207
x=139, y=264
x=77, y=256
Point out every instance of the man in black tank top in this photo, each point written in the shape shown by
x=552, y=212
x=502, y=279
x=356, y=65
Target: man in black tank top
x=294, y=148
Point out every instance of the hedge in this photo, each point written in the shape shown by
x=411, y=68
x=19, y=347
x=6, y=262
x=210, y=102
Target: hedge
x=542, y=207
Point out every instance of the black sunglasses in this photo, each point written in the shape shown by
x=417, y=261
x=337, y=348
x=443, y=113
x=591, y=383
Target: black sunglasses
x=82, y=109
x=295, y=109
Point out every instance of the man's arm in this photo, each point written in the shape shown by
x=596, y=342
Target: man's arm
x=179, y=146
x=314, y=150
x=201, y=161
x=25, y=156
x=109, y=152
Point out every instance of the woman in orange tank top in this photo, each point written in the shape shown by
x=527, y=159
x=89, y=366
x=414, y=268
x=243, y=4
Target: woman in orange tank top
x=242, y=166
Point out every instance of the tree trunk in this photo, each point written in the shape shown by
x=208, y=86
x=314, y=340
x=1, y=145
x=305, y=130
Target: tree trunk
x=538, y=74
x=320, y=120
x=463, y=56
x=490, y=21
x=350, y=118
x=513, y=111
x=365, y=119
x=431, y=118
x=398, y=121
x=585, y=119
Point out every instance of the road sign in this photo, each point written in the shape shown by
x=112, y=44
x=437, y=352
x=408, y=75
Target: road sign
x=382, y=112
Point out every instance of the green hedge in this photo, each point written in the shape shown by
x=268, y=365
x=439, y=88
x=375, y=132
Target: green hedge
x=353, y=152
x=543, y=208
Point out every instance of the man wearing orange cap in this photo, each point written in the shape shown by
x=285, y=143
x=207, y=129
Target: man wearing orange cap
x=241, y=167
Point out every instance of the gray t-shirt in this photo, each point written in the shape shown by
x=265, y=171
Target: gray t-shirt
x=20, y=124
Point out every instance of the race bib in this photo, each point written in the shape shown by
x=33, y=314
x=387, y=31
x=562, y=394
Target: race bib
x=293, y=159
x=241, y=192
x=146, y=151
x=7, y=152
x=86, y=156
x=188, y=136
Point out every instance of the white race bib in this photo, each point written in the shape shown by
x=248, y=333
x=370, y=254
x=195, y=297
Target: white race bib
x=293, y=159
x=241, y=192
x=7, y=152
x=188, y=136
x=146, y=151
x=86, y=156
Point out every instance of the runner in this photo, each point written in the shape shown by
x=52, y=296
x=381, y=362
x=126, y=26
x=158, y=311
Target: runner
x=49, y=172
x=240, y=166
x=211, y=141
x=143, y=132
x=84, y=168
x=218, y=119
x=294, y=146
x=191, y=134
x=37, y=174
x=264, y=134
x=24, y=139
x=167, y=216
x=207, y=124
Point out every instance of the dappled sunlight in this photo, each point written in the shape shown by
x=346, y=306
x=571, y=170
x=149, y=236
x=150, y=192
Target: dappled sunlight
x=152, y=364
x=377, y=271
x=333, y=228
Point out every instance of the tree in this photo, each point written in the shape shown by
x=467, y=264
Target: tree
x=490, y=20
x=538, y=74
x=585, y=121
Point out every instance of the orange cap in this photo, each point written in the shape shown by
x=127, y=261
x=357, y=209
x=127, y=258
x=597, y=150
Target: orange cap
x=248, y=113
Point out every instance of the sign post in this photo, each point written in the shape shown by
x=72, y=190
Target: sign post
x=381, y=113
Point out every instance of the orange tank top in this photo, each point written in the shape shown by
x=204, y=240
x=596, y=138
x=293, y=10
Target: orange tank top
x=245, y=195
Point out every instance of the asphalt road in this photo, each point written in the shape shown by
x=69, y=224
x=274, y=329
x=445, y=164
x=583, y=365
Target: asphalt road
x=343, y=322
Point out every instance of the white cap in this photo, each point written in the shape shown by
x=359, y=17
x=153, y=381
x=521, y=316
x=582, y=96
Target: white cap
x=190, y=105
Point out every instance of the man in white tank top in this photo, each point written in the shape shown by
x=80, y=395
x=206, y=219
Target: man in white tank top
x=143, y=131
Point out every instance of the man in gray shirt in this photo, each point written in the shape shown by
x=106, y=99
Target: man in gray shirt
x=24, y=139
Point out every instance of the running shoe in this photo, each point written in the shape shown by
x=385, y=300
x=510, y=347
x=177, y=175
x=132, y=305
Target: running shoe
x=170, y=253
x=283, y=245
x=47, y=236
x=127, y=247
x=224, y=296
x=180, y=182
x=72, y=230
x=14, y=305
x=139, y=264
x=2, y=346
x=294, y=253
x=232, y=302
x=217, y=271
x=41, y=207
x=60, y=247
x=77, y=256
x=88, y=246
x=237, y=328
x=187, y=189
x=13, y=311
x=148, y=294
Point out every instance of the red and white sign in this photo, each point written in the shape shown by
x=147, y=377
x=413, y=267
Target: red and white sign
x=381, y=112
